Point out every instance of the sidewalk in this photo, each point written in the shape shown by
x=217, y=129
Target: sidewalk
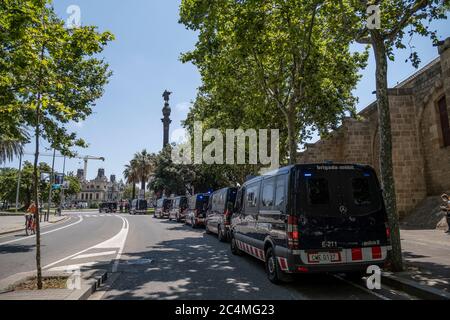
x=427, y=258
x=9, y=224
x=90, y=281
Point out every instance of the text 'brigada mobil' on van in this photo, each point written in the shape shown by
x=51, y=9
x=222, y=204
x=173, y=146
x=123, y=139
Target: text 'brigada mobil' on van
x=312, y=218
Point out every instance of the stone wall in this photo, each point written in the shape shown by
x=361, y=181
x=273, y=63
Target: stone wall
x=421, y=163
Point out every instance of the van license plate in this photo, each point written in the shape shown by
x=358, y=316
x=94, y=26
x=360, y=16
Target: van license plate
x=324, y=257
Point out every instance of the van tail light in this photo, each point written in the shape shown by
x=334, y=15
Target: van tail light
x=292, y=232
x=227, y=215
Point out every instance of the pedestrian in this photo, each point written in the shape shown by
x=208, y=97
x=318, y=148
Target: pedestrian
x=446, y=208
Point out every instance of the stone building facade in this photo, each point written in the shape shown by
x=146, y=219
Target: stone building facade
x=420, y=117
x=99, y=189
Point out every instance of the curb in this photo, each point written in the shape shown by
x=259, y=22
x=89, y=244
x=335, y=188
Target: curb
x=88, y=286
x=414, y=288
x=88, y=289
x=22, y=229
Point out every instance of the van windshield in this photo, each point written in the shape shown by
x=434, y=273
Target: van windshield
x=338, y=190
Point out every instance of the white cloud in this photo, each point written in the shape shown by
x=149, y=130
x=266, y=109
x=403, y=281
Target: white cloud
x=183, y=106
x=79, y=124
x=179, y=136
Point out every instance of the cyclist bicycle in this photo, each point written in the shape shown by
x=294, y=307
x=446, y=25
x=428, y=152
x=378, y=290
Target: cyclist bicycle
x=30, y=219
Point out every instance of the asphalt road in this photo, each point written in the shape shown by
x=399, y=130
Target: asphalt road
x=149, y=258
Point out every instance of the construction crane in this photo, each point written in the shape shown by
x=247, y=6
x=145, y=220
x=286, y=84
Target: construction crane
x=84, y=158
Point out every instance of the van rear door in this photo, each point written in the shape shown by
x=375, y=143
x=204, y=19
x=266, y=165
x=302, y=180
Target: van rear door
x=340, y=206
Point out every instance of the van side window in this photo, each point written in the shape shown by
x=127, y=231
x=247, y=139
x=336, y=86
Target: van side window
x=361, y=191
x=252, y=196
x=267, y=198
x=280, y=192
x=318, y=191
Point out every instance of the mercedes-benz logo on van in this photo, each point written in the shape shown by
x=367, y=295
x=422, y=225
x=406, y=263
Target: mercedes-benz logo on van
x=343, y=209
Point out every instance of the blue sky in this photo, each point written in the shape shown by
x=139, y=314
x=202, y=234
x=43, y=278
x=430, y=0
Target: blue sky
x=145, y=61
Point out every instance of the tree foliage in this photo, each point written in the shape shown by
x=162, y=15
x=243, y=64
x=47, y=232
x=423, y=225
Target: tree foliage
x=272, y=63
x=400, y=20
x=41, y=58
x=49, y=76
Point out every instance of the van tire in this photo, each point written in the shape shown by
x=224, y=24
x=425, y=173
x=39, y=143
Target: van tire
x=207, y=231
x=220, y=235
x=234, y=248
x=273, y=270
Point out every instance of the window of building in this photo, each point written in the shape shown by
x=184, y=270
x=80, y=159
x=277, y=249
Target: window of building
x=445, y=126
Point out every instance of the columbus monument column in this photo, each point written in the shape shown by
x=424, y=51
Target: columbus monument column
x=166, y=120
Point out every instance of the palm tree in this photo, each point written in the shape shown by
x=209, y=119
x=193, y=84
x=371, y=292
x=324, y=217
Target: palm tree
x=145, y=164
x=131, y=175
x=12, y=147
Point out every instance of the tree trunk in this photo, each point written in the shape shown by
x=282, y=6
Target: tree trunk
x=134, y=191
x=143, y=185
x=386, y=165
x=292, y=137
x=36, y=200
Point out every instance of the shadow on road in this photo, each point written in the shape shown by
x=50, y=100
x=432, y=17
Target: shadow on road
x=15, y=248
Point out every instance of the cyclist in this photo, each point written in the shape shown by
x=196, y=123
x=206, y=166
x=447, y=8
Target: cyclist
x=30, y=217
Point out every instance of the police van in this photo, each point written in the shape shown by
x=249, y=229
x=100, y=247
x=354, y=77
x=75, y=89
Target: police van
x=312, y=218
x=220, y=209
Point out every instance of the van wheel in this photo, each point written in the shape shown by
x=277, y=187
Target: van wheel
x=220, y=234
x=274, y=273
x=234, y=248
x=207, y=231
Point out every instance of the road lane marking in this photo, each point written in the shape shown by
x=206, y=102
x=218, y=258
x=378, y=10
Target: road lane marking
x=117, y=241
x=52, y=224
x=73, y=266
x=43, y=233
x=91, y=255
x=119, y=254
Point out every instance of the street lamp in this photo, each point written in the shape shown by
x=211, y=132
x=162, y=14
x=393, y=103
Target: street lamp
x=47, y=217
